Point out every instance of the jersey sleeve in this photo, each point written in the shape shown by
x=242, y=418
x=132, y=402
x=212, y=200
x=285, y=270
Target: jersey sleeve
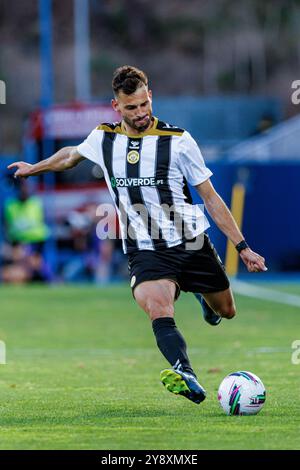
x=90, y=148
x=191, y=161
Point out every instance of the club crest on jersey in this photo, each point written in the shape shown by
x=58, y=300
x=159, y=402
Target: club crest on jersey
x=133, y=156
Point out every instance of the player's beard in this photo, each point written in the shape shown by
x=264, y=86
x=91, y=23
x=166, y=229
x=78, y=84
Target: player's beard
x=134, y=124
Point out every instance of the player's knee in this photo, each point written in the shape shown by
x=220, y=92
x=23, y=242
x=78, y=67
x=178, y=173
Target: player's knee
x=157, y=309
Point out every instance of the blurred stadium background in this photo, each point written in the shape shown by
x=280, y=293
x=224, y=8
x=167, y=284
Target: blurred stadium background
x=224, y=70
x=224, y=73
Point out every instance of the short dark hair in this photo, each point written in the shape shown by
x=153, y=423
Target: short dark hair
x=128, y=79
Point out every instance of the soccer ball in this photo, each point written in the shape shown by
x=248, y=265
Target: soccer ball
x=241, y=393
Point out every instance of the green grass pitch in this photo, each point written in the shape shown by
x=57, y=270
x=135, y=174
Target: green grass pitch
x=83, y=370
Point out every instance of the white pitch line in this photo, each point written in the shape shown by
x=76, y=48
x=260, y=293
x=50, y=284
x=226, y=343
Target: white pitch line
x=250, y=290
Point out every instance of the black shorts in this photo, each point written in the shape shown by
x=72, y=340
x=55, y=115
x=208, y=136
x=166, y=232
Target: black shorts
x=192, y=270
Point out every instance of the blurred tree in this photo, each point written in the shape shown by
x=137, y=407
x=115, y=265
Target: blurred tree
x=188, y=47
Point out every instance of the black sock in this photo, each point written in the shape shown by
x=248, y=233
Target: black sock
x=171, y=343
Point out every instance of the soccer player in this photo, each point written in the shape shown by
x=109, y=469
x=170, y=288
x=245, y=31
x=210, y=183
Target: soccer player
x=147, y=164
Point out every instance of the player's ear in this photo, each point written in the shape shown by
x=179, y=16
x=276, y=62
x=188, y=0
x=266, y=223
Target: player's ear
x=115, y=105
x=150, y=94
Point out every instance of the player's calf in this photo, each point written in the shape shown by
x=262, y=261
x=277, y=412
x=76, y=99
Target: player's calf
x=228, y=311
x=222, y=303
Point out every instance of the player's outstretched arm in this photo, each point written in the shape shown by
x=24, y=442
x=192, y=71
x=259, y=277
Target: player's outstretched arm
x=222, y=216
x=65, y=158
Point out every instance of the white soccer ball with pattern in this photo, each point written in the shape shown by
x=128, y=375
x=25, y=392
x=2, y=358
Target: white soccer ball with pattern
x=242, y=393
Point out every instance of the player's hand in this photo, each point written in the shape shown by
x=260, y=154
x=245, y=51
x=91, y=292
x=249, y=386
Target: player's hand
x=254, y=262
x=23, y=169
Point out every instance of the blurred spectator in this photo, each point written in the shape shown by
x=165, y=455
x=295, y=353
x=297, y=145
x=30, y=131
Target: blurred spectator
x=21, y=264
x=26, y=233
x=89, y=258
x=24, y=218
x=78, y=264
x=81, y=255
x=265, y=123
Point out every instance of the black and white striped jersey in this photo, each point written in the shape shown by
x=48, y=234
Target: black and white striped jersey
x=147, y=177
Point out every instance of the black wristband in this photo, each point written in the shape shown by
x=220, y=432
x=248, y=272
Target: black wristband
x=241, y=246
